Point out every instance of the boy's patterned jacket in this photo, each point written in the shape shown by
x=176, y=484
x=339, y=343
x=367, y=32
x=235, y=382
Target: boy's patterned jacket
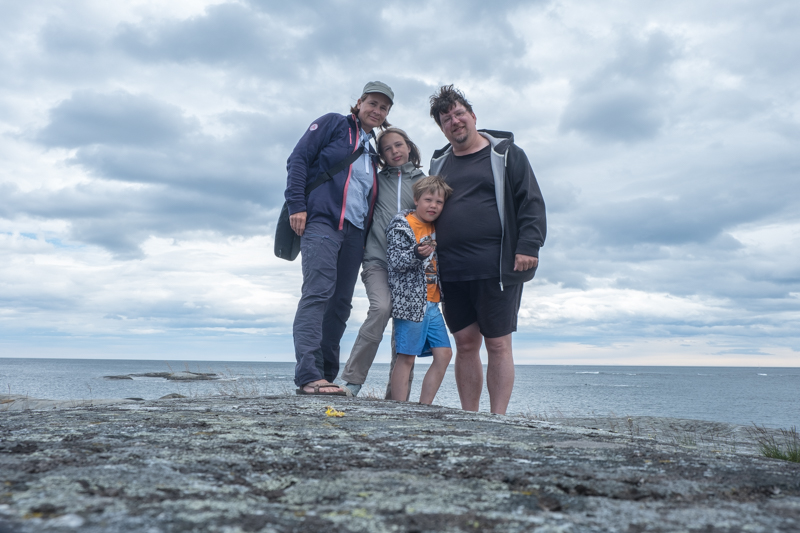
x=407, y=280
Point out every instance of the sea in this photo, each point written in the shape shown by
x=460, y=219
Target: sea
x=745, y=395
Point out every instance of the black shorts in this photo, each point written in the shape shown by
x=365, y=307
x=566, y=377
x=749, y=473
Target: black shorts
x=481, y=301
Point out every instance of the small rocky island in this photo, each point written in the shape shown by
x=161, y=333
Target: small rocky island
x=169, y=376
x=280, y=464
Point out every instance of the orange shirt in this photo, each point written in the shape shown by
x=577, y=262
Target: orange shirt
x=425, y=230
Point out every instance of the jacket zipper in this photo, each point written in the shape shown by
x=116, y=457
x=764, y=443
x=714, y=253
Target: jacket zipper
x=349, y=174
x=503, y=226
x=399, y=189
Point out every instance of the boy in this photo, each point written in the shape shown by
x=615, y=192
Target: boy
x=414, y=282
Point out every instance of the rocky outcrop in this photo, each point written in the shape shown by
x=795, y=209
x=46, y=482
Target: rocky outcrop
x=286, y=464
x=170, y=376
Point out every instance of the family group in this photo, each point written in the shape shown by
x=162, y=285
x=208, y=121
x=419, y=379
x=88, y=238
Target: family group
x=466, y=236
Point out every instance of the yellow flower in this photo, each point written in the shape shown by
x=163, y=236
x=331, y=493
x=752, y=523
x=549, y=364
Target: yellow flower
x=333, y=412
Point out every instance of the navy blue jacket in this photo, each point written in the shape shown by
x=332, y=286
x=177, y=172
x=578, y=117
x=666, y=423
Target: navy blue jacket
x=329, y=140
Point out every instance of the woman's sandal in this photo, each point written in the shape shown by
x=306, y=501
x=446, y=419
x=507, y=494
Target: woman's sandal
x=319, y=386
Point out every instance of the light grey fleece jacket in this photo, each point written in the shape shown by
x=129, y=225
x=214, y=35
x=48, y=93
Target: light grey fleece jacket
x=394, y=195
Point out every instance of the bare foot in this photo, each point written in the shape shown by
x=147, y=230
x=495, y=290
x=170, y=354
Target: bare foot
x=322, y=386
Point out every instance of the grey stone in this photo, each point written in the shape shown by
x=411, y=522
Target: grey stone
x=281, y=464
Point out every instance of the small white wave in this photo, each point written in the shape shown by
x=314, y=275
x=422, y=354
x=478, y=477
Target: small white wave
x=762, y=374
x=587, y=372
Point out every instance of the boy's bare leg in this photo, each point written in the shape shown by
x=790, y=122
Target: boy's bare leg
x=499, y=373
x=435, y=374
x=391, y=369
x=469, y=370
x=399, y=377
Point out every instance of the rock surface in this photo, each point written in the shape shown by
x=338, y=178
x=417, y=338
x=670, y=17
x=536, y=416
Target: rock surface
x=281, y=464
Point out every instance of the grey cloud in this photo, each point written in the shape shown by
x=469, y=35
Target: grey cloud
x=190, y=181
x=689, y=209
x=115, y=235
x=643, y=61
x=659, y=221
x=742, y=351
x=120, y=220
x=59, y=36
x=624, y=100
x=609, y=114
x=294, y=40
x=724, y=105
x=227, y=32
x=765, y=44
x=113, y=118
x=174, y=313
x=138, y=139
x=561, y=196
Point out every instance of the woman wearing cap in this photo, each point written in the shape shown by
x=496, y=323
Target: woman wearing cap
x=332, y=222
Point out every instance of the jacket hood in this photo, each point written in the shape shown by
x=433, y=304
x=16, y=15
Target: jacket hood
x=500, y=141
x=400, y=218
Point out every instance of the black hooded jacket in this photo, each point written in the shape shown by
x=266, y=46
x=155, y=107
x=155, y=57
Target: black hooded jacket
x=519, y=201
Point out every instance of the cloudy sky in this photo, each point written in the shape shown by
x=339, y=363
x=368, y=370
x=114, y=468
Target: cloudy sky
x=143, y=148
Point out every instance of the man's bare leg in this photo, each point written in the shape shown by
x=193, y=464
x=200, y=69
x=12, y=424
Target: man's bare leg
x=499, y=373
x=469, y=370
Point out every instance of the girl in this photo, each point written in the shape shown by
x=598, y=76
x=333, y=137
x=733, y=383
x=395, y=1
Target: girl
x=400, y=162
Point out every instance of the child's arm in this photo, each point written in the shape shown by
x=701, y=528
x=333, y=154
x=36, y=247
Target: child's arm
x=400, y=250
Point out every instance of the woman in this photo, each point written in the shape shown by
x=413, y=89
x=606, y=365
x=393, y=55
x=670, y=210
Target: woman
x=332, y=221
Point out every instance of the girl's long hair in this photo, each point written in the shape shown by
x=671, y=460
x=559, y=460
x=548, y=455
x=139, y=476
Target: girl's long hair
x=413, y=155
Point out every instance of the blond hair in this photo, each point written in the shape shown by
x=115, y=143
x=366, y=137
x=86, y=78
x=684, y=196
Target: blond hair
x=431, y=184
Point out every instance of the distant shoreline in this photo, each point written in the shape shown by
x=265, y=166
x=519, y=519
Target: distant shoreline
x=292, y=361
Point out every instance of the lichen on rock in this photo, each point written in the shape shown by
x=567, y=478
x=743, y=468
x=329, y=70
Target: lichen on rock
x=282, y=464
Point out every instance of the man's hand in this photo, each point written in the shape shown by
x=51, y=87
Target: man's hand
x=525, y=262
x=298, y=222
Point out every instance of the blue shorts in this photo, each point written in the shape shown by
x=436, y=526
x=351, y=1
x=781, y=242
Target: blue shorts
x=417, y=338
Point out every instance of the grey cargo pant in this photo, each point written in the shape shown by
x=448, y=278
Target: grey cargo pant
x=376, y=283
x=331, y=259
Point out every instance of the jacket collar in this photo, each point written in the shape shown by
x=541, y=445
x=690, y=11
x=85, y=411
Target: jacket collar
x=407, y=169
x=500, y=140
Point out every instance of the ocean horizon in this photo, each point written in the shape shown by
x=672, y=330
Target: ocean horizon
x=738, y=395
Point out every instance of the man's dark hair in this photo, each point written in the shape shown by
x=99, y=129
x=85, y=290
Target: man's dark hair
x=445, y=100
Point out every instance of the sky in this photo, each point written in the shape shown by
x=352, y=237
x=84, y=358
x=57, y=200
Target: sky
x=143, y=151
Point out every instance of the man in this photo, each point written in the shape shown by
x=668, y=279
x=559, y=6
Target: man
x=489, y=235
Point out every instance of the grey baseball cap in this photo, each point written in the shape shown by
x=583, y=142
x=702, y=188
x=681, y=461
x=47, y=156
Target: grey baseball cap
x=379, y=87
